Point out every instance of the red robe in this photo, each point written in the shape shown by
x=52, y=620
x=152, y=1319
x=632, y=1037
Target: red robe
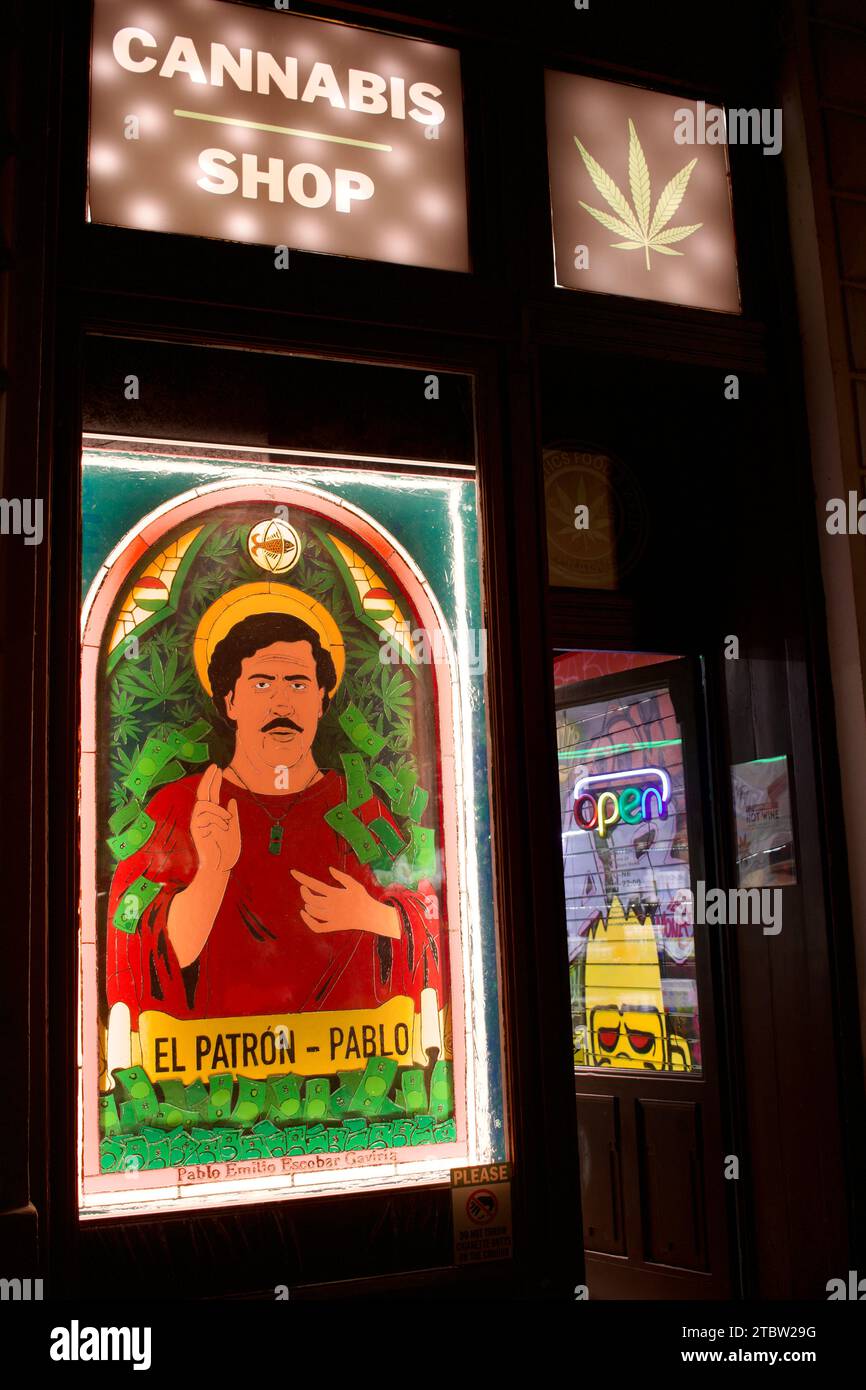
x=261, y=957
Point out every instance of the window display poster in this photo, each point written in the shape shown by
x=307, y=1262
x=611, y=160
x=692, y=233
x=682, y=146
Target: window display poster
x=285, y=832
x=761, y=793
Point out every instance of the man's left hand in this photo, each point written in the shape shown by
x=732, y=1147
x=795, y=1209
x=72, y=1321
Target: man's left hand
x=346, y=908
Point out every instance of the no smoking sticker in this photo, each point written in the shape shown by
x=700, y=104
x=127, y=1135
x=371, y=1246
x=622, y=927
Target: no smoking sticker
x=481, y=1205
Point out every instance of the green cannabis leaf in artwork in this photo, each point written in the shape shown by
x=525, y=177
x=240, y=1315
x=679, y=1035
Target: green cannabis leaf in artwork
x=644, y=233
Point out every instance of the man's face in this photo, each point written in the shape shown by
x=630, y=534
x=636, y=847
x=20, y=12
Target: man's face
x=276, y=704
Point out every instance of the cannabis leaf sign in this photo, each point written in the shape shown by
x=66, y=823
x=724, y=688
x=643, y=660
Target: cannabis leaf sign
x=643, y=233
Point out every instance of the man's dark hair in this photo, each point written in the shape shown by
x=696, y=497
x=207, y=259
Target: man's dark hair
x=250, y=636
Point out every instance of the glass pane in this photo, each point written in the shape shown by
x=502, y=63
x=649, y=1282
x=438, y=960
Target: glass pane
x=288, y=955
x=597, y=521
x=626, y=863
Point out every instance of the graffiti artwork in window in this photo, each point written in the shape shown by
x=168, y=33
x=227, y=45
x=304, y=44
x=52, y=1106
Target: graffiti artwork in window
x=276, y=876
x=627, y=882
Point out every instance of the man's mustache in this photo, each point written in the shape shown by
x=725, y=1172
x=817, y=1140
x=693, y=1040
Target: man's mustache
x=281, y=722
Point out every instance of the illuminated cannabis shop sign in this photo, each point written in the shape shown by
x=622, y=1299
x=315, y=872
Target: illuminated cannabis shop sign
x=217, y=120
x=640, y=198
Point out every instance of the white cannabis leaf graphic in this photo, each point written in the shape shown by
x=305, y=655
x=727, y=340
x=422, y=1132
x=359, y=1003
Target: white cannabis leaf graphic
x=642, y=232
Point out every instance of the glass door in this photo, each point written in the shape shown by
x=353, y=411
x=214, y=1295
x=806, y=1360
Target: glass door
x=646, y=1083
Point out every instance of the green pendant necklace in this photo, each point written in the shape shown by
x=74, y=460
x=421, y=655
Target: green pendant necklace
x=275, y=839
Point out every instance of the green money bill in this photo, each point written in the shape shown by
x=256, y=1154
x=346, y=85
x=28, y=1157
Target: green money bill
x=417, y=804
x=365, y=739
x=184, y=744
x=133, y=838
x=109, y=1119
x=220, y=1098
x=422, y=1134
x=371, y=1094
x=124, y=817
x=391, y=838
x=442, y=1091
x=345, y=823
x=316, y=1096
x=110, y=1155
x=136, y=1084
x=406, y=784
x=317, y=1143
x=134, y=1154
x=422, y=850
x=285, y=1095
x=339, y=1101
x=228, y=1142
x=173, y=1093
x=388, y=1107
x=181, y=1149
x=221, y=1085
x=276, y=1145
x=130, y=1119
x=172, y=1115
x=381, y=1136
x=196, y=1095
x=358, y=789
x=196, y=730
x=386, y=780
x=445, y=1133
x=414, y=1091
x=158, y=1149
x=138, y=896
x=153, y=756
x=251, y=1101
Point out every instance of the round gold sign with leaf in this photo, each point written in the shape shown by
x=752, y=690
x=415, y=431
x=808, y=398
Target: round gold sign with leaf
x=597, y=520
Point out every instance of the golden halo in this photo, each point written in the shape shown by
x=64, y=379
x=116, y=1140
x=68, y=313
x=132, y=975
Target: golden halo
x=265, y=597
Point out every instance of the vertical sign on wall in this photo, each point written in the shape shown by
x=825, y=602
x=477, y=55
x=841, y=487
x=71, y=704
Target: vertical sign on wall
x=640, y=194
x=217, y=120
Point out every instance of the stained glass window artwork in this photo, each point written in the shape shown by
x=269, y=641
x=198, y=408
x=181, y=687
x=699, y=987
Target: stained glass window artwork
x=288, y=958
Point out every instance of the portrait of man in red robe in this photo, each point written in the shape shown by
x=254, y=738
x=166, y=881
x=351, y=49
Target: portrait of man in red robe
x=263, y=908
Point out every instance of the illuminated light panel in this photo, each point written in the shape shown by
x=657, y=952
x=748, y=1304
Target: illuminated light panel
x=344, y=112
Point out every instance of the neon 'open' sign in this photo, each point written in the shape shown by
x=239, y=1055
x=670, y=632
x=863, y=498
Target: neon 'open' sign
x=602, y=810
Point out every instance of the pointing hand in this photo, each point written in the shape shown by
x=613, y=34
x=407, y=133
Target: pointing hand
x=215, y=829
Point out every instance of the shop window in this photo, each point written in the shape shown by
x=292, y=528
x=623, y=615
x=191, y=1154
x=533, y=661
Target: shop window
x=625, y=849
x=288, y=959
